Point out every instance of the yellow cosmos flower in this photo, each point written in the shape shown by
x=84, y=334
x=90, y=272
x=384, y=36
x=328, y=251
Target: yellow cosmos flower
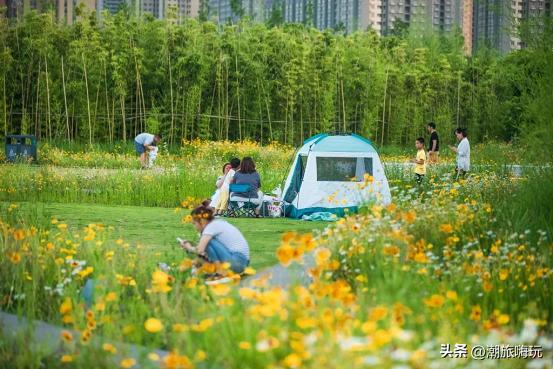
x=127, y=363
x=18, y=234
x=66, y=358
x=153, y=356
x=200, y=355
x=160, y=282
x=452, y=295
x=476, y=313
x=66, y=336
x=15, y=258
x=203, y=325
x=66, y=307
x=249, y=271
x=108, y=347
x=378, y=313
x=220, y=289
x=179, y=328
x=503, y=319
x=322, y=255
x=245, y=345
x=435, y=301
x=285, y=253
x=503, y=274
x=153, y=325
x=292, y=361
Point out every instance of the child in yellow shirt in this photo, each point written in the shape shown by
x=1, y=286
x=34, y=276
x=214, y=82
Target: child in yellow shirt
x=420, y=161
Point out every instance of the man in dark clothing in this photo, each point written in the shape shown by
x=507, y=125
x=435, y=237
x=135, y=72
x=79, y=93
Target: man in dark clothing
x=434, y=145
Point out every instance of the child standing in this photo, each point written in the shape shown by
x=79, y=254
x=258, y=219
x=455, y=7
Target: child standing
x=420, y=161
x=152, y=156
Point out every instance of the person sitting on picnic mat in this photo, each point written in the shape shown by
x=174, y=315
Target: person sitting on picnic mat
x=220, y=204
x=220, y=241
x=220, y=186
x=248, y=175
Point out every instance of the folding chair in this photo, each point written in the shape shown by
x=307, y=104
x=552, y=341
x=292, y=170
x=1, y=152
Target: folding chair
x=241, y=206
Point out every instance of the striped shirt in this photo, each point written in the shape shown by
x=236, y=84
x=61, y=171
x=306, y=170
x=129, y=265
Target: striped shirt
x=228, y=235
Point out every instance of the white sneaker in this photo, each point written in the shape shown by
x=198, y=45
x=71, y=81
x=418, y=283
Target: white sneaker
x=164, y=267
x=218, y=281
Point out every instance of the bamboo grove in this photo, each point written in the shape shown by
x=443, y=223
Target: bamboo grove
x=105, y=81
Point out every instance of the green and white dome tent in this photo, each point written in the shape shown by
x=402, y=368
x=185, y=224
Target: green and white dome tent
x=330, y=173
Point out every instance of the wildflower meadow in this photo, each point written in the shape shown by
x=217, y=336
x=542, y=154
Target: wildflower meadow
x=446, y=268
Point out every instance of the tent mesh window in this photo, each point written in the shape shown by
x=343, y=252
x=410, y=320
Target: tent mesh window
x=333, y=169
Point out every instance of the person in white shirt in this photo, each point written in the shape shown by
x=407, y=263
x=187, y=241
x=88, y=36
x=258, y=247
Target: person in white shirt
x=463, y=152
x=221, y=204
x=219, y=184
x=145, y=142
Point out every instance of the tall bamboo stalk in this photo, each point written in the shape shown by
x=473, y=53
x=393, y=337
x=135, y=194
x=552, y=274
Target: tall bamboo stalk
x=87, y=101
x=384, y=109
x=110, y=131
x=65, y=101
x=5, y=106
x=37, y=120
x=458, y=97
x=48, y=100
x=238, y=94
x=172, y=130
x=122, y=103
x=343, y=102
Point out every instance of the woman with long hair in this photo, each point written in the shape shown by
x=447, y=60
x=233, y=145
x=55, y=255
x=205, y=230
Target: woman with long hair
x=220, y=241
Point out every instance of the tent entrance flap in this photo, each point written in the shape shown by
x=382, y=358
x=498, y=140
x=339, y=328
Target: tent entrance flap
x=297, y=178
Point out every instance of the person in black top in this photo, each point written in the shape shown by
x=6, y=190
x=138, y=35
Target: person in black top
x=434, y=145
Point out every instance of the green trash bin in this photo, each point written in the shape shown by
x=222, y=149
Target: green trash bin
x=21, y=148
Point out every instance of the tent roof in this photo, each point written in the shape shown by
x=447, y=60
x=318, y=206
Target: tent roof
x=337, y=143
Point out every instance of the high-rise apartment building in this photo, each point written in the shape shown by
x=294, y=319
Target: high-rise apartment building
x=370, y=15
x=466, y=16
x=495, y=21
x=322, y=14
x=224, y=11
x=178, y=9
x=112, y=5
x=492, y=24
x=64, y=9
x=443, y=15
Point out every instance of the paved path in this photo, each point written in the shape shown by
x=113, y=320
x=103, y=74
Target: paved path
x=281, y=276
x=45, y=338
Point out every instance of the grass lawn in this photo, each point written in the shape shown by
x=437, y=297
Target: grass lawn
x=156, y=228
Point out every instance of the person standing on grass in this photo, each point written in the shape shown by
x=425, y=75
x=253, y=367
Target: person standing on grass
x=463, y=152
x=145, y=142
x=434, y=144
x=220, y=241
x=420, y=161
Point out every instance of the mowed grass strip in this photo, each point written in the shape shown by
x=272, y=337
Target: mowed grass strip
x=157, y=228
